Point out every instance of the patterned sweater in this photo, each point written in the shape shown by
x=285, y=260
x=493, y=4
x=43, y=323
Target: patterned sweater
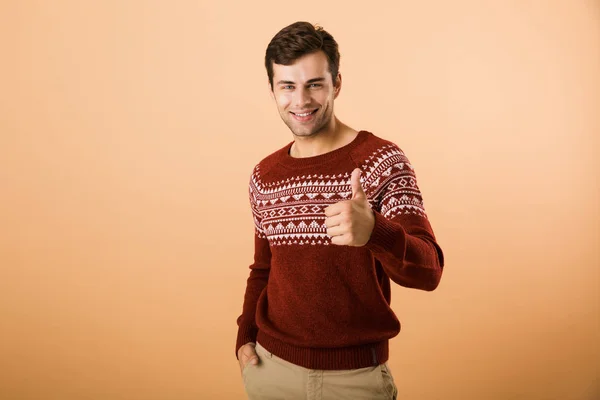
x=321, y=305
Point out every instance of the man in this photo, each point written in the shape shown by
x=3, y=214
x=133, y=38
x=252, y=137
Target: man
x=337, y=214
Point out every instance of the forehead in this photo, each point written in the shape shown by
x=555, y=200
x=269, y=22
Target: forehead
x=308, y=66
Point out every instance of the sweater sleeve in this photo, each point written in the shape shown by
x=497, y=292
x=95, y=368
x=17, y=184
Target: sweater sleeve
x=258, y=277
x=402, y=238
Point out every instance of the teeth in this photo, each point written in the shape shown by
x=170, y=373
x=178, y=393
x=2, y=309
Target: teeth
x=305, y=114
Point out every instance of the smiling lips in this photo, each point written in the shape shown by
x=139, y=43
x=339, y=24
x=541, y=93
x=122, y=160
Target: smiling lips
x=305, y=116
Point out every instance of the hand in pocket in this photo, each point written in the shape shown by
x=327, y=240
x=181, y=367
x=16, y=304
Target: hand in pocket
x=247, y=354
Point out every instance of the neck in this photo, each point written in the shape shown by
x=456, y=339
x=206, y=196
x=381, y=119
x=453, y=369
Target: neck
x=336, y=135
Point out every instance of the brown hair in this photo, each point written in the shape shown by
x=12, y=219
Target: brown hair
x=298, y=39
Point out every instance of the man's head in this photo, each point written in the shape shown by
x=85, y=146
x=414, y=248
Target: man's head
x=302, y=63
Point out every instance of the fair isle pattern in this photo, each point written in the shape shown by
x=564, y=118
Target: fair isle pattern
x=290, y=211
x=395, y=183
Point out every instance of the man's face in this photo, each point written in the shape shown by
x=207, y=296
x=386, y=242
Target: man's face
x=305, y=87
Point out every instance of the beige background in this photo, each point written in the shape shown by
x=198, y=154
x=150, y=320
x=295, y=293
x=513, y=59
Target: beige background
x=128, y=130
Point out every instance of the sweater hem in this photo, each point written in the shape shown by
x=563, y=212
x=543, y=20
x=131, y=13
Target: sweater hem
x=370, y=354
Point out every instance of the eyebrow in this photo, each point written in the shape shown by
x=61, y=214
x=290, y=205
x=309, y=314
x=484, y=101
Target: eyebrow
x=319, y=79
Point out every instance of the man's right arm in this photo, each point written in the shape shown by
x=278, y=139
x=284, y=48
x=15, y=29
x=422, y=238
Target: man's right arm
x=259, y=275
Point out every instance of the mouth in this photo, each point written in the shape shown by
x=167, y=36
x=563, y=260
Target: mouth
x=304, y=116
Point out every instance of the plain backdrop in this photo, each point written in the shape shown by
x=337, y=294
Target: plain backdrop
x=128, y=132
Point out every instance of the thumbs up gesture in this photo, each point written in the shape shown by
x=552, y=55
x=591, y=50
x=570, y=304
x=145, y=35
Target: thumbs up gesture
x=350, y=222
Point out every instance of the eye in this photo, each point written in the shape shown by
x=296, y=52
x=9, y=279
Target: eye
x=287, y=86
x=315, y=85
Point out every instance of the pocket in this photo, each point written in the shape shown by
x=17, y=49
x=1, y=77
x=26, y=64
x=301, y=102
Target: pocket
x=388, y=384
x=253, y=375
x=249, y=365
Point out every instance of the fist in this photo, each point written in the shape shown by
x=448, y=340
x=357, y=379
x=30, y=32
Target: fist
x=351, y=222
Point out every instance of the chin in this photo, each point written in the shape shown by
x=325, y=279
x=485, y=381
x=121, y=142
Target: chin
x=302, y=133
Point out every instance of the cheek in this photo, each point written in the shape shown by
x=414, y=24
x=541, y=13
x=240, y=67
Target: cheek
x=284, y=100
x=324, y=98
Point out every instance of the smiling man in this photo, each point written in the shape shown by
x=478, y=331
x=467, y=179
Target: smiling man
x=338, y=214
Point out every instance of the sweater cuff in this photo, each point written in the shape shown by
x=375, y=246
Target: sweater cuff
x=386, y=235
x=246, y=333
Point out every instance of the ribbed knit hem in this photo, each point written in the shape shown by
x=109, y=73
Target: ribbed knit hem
x=327, y=358
x=386, y=235
x=246, y=333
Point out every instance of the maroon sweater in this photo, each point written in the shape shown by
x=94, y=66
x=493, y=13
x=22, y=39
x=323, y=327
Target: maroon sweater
x=321, y=305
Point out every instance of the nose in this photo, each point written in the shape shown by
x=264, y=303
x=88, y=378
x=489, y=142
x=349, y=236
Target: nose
x=302, y=98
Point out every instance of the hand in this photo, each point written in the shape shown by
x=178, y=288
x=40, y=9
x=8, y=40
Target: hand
x=247, y=354
x=351, y=222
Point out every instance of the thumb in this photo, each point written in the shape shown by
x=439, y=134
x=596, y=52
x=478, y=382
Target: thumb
x=357, y=190
x=250, y=353
x=254, y=358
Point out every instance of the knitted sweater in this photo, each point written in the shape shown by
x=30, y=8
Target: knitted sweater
x=321, y=305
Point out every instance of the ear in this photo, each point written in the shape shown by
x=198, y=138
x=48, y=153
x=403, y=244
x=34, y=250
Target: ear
x=338, y=85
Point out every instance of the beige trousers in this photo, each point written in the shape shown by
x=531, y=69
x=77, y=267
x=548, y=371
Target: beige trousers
x=274, y=378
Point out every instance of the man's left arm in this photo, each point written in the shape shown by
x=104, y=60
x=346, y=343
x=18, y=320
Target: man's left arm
x=402, y=238
x=396, y=230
